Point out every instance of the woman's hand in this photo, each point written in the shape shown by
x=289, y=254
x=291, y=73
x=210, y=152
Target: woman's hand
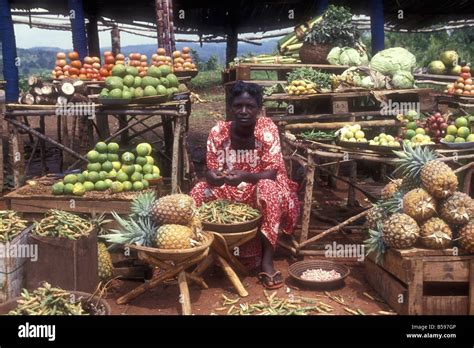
x=235, y=177
x=215, y=177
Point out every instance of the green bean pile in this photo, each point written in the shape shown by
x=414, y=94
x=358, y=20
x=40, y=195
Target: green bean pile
x=48, y=300
x=59, y=223
x=312, y=135
x=10, y=225
x=225, y=212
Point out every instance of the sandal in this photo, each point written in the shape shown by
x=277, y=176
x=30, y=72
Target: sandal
x=269, y=282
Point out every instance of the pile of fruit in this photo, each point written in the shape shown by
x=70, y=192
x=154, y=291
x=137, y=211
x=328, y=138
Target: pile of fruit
x=139, y=61
x=459, y=131
x=160, y=58
x=447, y=64
x=384, y=140
x=88, y=69
x=418, y=131
x=61, y=224
x=182, y=60
x=11, y=225
x=125, y=83
x=297, y=87
x=167, y=223
x=226, y=212
x=352, y=133
x=48, y=300
x=423, y=208
x=463, y=85
x=108, y=170
x=109, y=63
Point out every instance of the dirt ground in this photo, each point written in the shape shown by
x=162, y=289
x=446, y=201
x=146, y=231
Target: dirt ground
x=165, y=298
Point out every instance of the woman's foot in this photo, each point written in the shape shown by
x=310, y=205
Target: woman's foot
x=270, y=278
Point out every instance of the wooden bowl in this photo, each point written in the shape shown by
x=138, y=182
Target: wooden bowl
x=297, y=269
x=232, y=228
x=99, y=303
x=466, y=145
x=186, y=73
x=176, y=255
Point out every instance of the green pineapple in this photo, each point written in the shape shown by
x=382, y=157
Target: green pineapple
x=105, y=262
x=142, y=205
x=375, y=243
x=139, y=231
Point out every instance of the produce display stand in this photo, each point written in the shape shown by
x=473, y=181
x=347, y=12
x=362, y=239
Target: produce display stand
x=222, y=252
x=308, y=153
x=424, y=282
x=171, y=263
x=2, y=111
x=174, y=120
x=441, y=80
x=455, y=101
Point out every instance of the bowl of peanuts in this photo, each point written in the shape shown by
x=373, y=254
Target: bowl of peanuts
x=318, y=273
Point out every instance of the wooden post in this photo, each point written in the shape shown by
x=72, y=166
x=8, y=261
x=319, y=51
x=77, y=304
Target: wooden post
x=308, y=198
x=164, y=4
x=93, y=36
x=176, y=155
x=159, y=23
x=16, y=155
x=353, y=179
x=44, y=168
x=65, y=136
x=232, y=44
x=115, y=38
x=184, y=298
x=171, y=25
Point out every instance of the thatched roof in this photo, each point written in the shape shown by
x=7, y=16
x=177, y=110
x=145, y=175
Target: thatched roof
x=215, y=17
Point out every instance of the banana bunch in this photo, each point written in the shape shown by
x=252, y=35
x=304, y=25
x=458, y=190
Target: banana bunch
x=298, y=87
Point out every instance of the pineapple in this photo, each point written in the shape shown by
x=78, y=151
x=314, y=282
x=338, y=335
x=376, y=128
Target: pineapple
x=436, y=234
x=392, y=187
x=409, y=184
x=466, y=237
x=421, y=164
x=457, y=209
x=419, y=205
x=142, y=205
x=375, y=215
x=400, y=231
x=172, y=236
x=105, y=262
x=139, y=231
x=375, y=243
x=174, y=209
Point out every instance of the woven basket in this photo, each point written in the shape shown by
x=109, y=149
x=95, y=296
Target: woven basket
x=297, y=269
x=314, y=54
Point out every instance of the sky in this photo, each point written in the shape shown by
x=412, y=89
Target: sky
x=27, y=37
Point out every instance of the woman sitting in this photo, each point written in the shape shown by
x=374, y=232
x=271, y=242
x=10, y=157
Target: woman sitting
x=245, y=164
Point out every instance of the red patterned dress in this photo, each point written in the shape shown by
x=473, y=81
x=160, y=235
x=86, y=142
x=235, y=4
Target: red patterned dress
x=277, y=199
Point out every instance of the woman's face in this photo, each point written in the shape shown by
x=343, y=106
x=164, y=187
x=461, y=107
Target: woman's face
x=245, y=110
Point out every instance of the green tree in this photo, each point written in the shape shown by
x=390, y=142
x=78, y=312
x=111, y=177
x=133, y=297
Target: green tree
x=211, y=64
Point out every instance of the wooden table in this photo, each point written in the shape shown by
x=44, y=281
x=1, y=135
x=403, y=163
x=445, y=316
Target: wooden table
x=174, y=120
x=306, y=155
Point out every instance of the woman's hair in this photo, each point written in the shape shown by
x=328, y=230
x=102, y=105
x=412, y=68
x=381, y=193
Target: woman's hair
x=239, y=88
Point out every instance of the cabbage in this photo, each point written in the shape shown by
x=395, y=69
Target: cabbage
x=367, y=83
x=391, y=60
x=333, y=56
x=352, y=57
x=403, y=79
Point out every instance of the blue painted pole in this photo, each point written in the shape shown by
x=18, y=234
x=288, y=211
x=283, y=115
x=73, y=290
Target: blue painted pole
x=376, y=25
x=10, y=68
x=78, y=27
x=321, y=6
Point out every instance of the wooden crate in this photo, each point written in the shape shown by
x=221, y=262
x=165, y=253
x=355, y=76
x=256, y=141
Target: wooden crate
x=424, y=282
x=12, y=268
x=69, y=264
